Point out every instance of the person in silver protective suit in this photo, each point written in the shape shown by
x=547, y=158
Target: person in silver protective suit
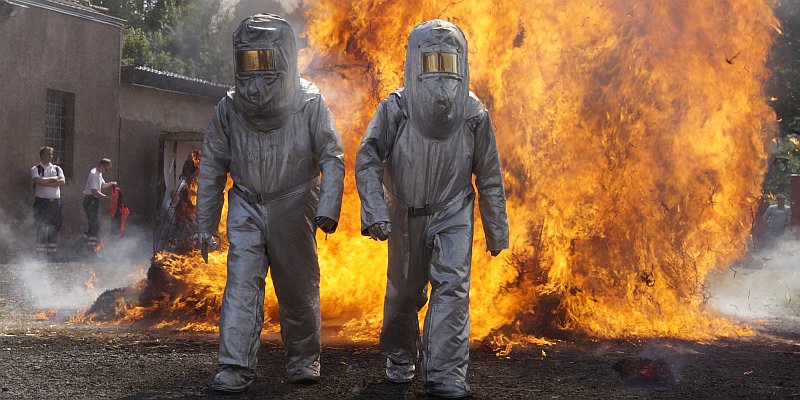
x=414, y=172
x=274, y=134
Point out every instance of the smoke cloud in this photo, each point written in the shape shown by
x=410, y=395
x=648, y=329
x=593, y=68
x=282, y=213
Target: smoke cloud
x=74, y=282
x=10, y=239
x=766, y=284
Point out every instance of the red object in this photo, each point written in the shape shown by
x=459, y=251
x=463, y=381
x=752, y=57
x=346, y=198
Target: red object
x=644, y=371
x=118, y=210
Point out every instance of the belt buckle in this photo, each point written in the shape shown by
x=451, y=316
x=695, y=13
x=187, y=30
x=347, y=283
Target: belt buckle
x=252, y=198
x=418, y=211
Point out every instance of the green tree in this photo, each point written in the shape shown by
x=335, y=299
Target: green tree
x=185, y=37
x=783, y=87
x=785, y=63
x=784, y=160
x=188, y=37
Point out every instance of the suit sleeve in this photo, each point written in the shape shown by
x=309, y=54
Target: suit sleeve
x=489, y=181
x=328, y=150
x=372, y=154
x=214, y=166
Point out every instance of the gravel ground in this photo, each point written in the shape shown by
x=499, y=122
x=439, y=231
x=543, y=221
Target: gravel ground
x=45, y=357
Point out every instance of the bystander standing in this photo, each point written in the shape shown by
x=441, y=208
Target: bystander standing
x=48, y=179
x=91, y=200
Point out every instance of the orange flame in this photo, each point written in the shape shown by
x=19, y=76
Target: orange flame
x=632, y=135
x=633, y=140
x=91, y=281
x=45, y=315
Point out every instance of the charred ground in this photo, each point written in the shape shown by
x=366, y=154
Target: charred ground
x=54, y=359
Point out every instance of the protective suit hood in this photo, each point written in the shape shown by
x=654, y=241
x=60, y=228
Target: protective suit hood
x=266, y=95
x=436, y=78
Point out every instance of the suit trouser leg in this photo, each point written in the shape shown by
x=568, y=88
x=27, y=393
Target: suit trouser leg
x=446, y=333
x=406, y=286
x=292, y=246
x=242, y=313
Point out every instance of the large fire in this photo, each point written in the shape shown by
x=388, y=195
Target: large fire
x=632, y=135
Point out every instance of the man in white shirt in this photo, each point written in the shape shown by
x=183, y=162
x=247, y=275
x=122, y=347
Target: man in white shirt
x=91, y=200
x=47, y=208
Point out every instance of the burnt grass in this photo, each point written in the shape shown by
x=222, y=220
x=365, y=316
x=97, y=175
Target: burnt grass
x=54, y=359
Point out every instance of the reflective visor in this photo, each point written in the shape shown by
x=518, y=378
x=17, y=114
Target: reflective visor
x=440, y=62
x=255, y=61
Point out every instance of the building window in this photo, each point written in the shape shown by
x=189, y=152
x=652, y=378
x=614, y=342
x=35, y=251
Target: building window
x=59, y=128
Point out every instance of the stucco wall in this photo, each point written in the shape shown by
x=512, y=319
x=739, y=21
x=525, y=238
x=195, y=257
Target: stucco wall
x=40, y=50
x=144, y=113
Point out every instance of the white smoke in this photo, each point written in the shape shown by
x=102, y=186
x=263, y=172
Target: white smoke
x=11, y=241
x=288, y=5
x=766, y=284
x=50, y=287
x=74, y=282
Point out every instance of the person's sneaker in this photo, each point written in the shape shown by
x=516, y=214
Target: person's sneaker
x=306, y=375
x=232, y=379
x=397, y=372
x=449, y=390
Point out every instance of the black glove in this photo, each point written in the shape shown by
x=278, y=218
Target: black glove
x=326, y=224
x=494, y=253
x=206, y=241
x=380, y=230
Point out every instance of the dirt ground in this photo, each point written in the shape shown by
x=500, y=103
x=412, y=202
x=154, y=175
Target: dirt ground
x=53, y=359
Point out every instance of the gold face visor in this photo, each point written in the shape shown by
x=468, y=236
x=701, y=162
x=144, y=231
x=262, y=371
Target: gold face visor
x=255, y=61
x=440, y=62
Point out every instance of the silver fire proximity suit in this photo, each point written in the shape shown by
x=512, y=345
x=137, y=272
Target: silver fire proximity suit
x=274, y=134
x=414, y=172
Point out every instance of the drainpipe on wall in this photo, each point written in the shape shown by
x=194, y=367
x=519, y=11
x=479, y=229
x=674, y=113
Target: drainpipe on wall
x=119, y=150
x=794, y=199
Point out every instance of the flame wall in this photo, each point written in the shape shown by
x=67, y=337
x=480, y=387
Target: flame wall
x=632, y=135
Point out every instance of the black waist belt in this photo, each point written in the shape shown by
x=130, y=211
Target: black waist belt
x=430, y=209
x=258, y=198
x=427, y=209
x=49, y=200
